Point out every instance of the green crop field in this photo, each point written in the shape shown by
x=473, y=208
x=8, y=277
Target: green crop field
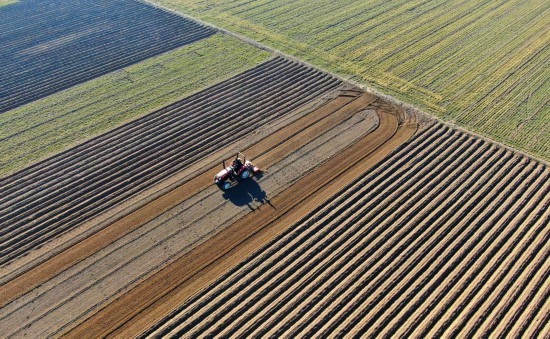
x=55, y=123
x=480, y=63
x=7, y=2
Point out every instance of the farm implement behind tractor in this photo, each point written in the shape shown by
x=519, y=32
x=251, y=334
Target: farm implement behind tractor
x=240, y=169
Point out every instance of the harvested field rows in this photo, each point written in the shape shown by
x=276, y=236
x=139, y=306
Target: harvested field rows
x=48, y=46
x=53, y=196
x=481, y=64
x=448, y=237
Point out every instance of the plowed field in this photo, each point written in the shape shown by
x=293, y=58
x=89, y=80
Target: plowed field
x=364, y=224
x=58, y=122
x=52, y=296
x=53, y=196
x=449, y=237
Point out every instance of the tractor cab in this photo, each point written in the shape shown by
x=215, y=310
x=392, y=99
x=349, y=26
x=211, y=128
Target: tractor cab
x=239, y=169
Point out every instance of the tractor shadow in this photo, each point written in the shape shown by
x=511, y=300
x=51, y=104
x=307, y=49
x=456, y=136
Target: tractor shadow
x=249, y=193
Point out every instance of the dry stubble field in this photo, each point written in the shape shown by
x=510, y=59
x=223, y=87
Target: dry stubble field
x=482, y=64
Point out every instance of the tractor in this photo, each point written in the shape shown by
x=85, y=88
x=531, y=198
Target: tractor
x=239, y=170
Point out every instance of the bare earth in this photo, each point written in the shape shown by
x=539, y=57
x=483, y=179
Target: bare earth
x=76, y=283
x=365, y=224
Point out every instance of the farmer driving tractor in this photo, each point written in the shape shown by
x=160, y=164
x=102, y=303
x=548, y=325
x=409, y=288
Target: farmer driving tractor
x=237, y=164
x=239, y=170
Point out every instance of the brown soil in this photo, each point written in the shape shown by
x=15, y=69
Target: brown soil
x=151, y=300
x=69, y=286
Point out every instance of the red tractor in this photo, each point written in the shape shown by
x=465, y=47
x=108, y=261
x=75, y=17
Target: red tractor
x=239, y=170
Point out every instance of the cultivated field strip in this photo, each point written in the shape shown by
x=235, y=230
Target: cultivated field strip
x=69, y=42
x=481, y=64
x=448, y=237
x=67, y=298
x=59, y=193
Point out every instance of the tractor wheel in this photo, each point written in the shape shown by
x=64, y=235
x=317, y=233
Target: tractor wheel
x=245, y=174
x=226, y=186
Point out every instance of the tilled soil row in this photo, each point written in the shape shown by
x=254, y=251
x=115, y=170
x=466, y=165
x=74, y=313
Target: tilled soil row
x=38, y=208
x=77, y=293
x=267, y=151
x=300, y=198
x=448, y=237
